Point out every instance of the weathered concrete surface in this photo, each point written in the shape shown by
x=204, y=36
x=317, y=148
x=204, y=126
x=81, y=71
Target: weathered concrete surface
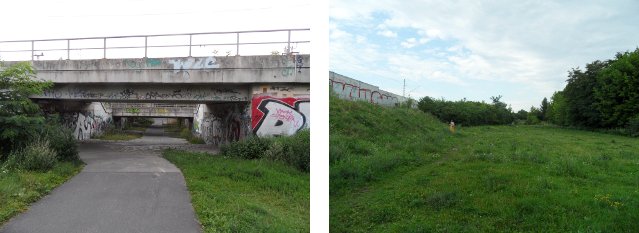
x=147, y=93
x=120, y=190
x=231, y=69
x=352, y=89
x=152, y=110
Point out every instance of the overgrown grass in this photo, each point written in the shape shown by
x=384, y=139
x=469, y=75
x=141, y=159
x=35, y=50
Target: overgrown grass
x=119, y=135
x=400, y=170
x=236, y=195
x=19, y=188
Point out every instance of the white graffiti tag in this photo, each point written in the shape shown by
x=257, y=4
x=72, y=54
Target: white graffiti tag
x=281, y=119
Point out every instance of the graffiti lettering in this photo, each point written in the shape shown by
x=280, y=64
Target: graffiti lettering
x=280, y=116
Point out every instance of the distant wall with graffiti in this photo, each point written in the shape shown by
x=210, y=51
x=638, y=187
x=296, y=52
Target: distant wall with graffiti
x=222, y=123
x=279, y=116
x=352, y=89
x=92, y=120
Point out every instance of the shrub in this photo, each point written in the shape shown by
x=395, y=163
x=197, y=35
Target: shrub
x=37, y=155
x=293, y=150
x=61, y=139
x=251, y=148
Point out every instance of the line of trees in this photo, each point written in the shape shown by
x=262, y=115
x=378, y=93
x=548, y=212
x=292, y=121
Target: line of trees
x=603, y=96
x=469, y=113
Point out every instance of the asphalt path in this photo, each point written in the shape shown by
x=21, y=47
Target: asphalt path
x=125, y=187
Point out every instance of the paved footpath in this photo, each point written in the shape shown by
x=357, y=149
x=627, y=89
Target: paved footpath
x=125, y=187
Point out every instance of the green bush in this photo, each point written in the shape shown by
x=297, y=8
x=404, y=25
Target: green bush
x=293, y=150
x=64, y=144
x=37, y=155
x=251, y=148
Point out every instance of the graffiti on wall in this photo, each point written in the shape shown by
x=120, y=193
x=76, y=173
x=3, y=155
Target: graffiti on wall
x=222, y=123
x=291, y=64
x=86, y=124
x=142, y=63
x=354, y=90
x=146, y=93
x=193, y=63
x=279, y=116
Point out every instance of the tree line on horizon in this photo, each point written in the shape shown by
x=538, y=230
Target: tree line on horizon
x=603, y=96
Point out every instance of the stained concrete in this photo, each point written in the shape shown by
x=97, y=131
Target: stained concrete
x=125, y=187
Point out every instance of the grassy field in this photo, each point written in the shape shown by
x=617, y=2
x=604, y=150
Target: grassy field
x=400, y=170
x=20, y=188
x=236, y=195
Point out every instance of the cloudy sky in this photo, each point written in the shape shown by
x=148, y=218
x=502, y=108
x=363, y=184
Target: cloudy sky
x=521, y=50
x=45, y=19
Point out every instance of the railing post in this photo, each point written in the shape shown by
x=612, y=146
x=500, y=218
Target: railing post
x=145, y=44
x=68, y=49
x=190, y=40
x=32, y=50
x=237, y=45
x=104, y=48
x=288, y=43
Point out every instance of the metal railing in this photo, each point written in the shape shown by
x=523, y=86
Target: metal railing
x=146, y=47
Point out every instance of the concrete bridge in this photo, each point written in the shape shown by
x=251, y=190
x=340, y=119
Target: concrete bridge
x=229, y=92
x=153, y=110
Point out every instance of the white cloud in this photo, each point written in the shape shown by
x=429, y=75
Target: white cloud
x=387, y=33
x=524, y=43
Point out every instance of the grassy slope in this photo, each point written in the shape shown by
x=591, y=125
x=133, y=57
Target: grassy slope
x=235, y=195
x=400, y=170
x=20, y=188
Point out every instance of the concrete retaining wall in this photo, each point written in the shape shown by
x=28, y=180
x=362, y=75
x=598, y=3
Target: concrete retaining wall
x=352, y=89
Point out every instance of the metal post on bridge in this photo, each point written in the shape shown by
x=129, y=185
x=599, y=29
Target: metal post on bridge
x=68, y=49
x=145, y=44
x=104, y=48
x=288, y=43
x=190, y=44
x=237, y=45
x=32, y=50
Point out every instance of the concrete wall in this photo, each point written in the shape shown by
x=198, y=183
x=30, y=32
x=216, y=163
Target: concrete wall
x=279, y=116
x=352, y=89
x=231, y=69
x=147, y=93
x=91, y=120
x=222, y=123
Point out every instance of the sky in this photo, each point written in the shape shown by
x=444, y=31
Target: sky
x=521, y=50
x=42, y=19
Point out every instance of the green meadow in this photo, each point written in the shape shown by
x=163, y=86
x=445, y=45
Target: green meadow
x=402, y=170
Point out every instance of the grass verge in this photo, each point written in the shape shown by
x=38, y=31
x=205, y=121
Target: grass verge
x=400, y=170
x=19, y=188
x=237, y=195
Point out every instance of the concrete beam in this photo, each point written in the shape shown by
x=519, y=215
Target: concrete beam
x=148, y=93
x=154, y=112
x=196, y=70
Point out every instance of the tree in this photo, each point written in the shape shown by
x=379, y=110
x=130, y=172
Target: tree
x=557, y=110
x=579, y=95
x=20, y=118
x=543, y=109
x=617, y=92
